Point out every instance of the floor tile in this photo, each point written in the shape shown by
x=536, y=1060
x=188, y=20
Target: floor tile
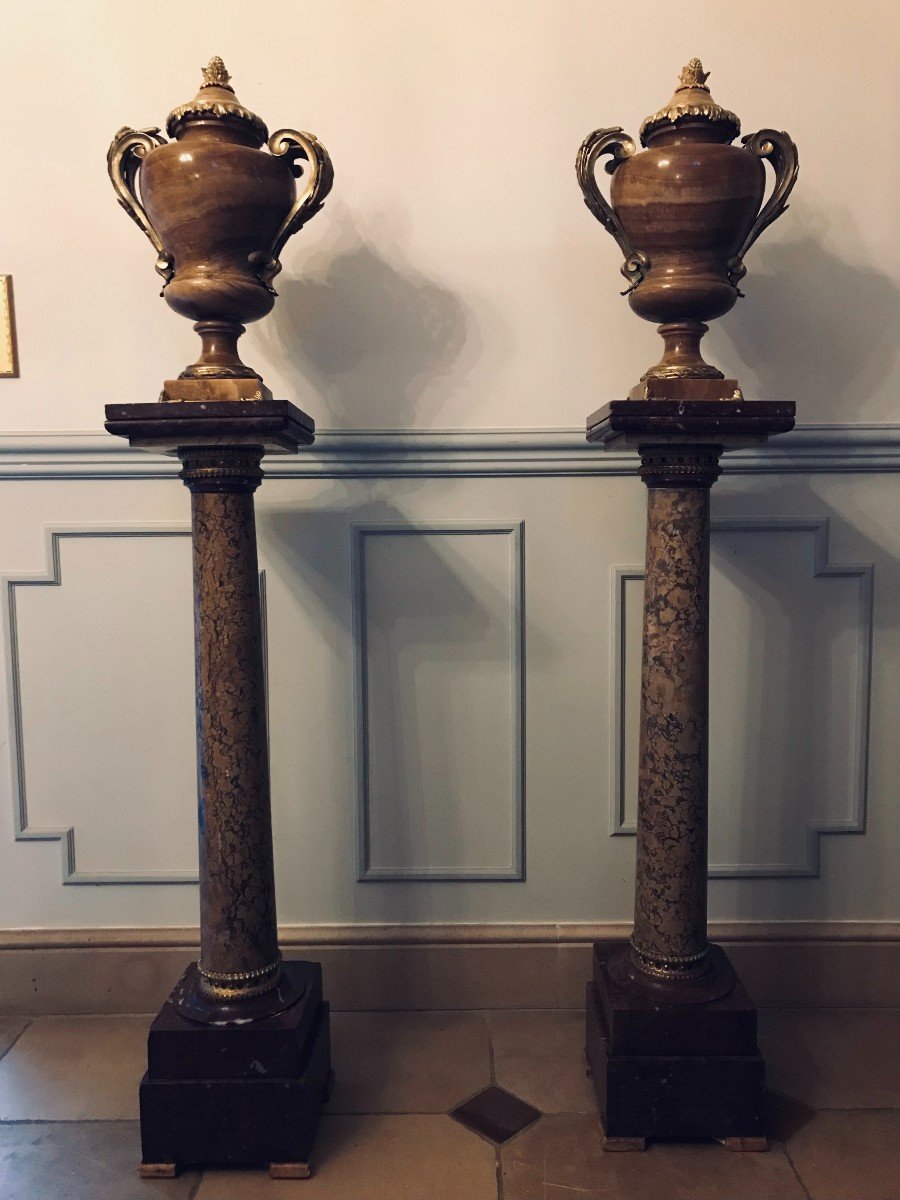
x=833, y=1058
x=406, y=1062
x=496, y=1114
x=93, y=1161
x=540, y=1057
x=412, y=1157
x=849, y=1156
x=562, y=1156
x=75, y=1069
x=10, y=1028
x=785, y=1116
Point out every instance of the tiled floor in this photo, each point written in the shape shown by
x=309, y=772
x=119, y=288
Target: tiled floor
x=68, y=1090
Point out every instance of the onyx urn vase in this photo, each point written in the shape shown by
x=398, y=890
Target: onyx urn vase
x=685, y=211
x=218, y=202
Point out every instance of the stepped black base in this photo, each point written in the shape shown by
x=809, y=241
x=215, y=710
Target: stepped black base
x=673, y=1071
x=237, y=1095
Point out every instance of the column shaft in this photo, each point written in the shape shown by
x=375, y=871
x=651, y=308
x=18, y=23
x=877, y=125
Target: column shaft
x=239, y=954
x=671, y=883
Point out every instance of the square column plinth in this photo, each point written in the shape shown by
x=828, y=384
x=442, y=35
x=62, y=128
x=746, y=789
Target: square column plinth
x=237, y=1095
x=673, y=1071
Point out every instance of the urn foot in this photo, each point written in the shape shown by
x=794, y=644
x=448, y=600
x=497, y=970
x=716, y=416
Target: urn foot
x=681, y=357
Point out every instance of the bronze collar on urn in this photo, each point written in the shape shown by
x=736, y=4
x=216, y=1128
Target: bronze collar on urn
x=218, y=209
x=684, y=212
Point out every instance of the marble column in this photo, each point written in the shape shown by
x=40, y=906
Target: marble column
x=239, y=957
x=669, y=939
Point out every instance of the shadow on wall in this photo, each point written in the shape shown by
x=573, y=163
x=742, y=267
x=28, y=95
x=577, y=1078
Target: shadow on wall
x=441, y=621
x=373, y=335
x=813, y=324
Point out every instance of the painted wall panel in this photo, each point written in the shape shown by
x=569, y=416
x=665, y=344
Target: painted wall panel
x=101, y=689
x=439, y=649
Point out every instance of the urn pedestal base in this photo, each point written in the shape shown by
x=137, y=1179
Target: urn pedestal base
x=237, y=1095
x=686, y=389
x=670, y=1071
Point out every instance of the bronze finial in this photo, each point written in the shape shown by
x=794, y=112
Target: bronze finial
x=215, y=74
x=692, y=76
x=691, y=101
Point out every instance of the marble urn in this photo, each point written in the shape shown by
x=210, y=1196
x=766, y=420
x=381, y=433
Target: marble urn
x=218, y=202
x=685, y=211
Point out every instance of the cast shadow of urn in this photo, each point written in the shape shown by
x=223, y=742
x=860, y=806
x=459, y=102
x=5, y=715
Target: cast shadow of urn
x=377, y=339
x=812, y=323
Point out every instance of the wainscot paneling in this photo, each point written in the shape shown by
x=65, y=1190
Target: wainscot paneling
x=420, y=676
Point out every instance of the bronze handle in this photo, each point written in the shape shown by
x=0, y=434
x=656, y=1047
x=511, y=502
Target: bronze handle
x=126, y=153
x=782, y=153
x=319, y=174
x=615, y=142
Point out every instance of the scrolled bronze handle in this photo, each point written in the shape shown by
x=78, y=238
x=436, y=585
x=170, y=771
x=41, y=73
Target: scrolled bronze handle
x=127, y=151
x=297, y=148
x=781, y=152
x=616, y=142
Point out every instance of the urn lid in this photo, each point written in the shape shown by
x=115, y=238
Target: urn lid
x=692, y=104
x=216, y=101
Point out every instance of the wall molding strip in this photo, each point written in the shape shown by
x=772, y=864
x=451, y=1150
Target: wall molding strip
x=52, y=577
x=360, y=532
x=363, y=453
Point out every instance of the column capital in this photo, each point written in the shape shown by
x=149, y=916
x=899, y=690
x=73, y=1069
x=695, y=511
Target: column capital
x=686, y=465
x=221, y=468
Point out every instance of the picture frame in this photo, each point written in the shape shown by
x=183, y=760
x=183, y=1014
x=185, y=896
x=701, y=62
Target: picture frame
x=9, y=357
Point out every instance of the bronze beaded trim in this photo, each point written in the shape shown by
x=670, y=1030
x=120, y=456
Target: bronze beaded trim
x=233, y=985
x=680, y=466
x=670, y=966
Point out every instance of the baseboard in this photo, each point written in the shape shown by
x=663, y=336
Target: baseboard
x=784, y=964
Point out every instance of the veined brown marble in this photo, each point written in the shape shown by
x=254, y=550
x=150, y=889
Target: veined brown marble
x=239, y=946
x=670, y=891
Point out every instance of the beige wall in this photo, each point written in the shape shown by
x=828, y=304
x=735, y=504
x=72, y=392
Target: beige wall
x=455, y=278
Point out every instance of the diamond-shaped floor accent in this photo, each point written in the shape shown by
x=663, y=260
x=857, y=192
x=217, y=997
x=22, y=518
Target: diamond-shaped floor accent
x=495, y=1114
